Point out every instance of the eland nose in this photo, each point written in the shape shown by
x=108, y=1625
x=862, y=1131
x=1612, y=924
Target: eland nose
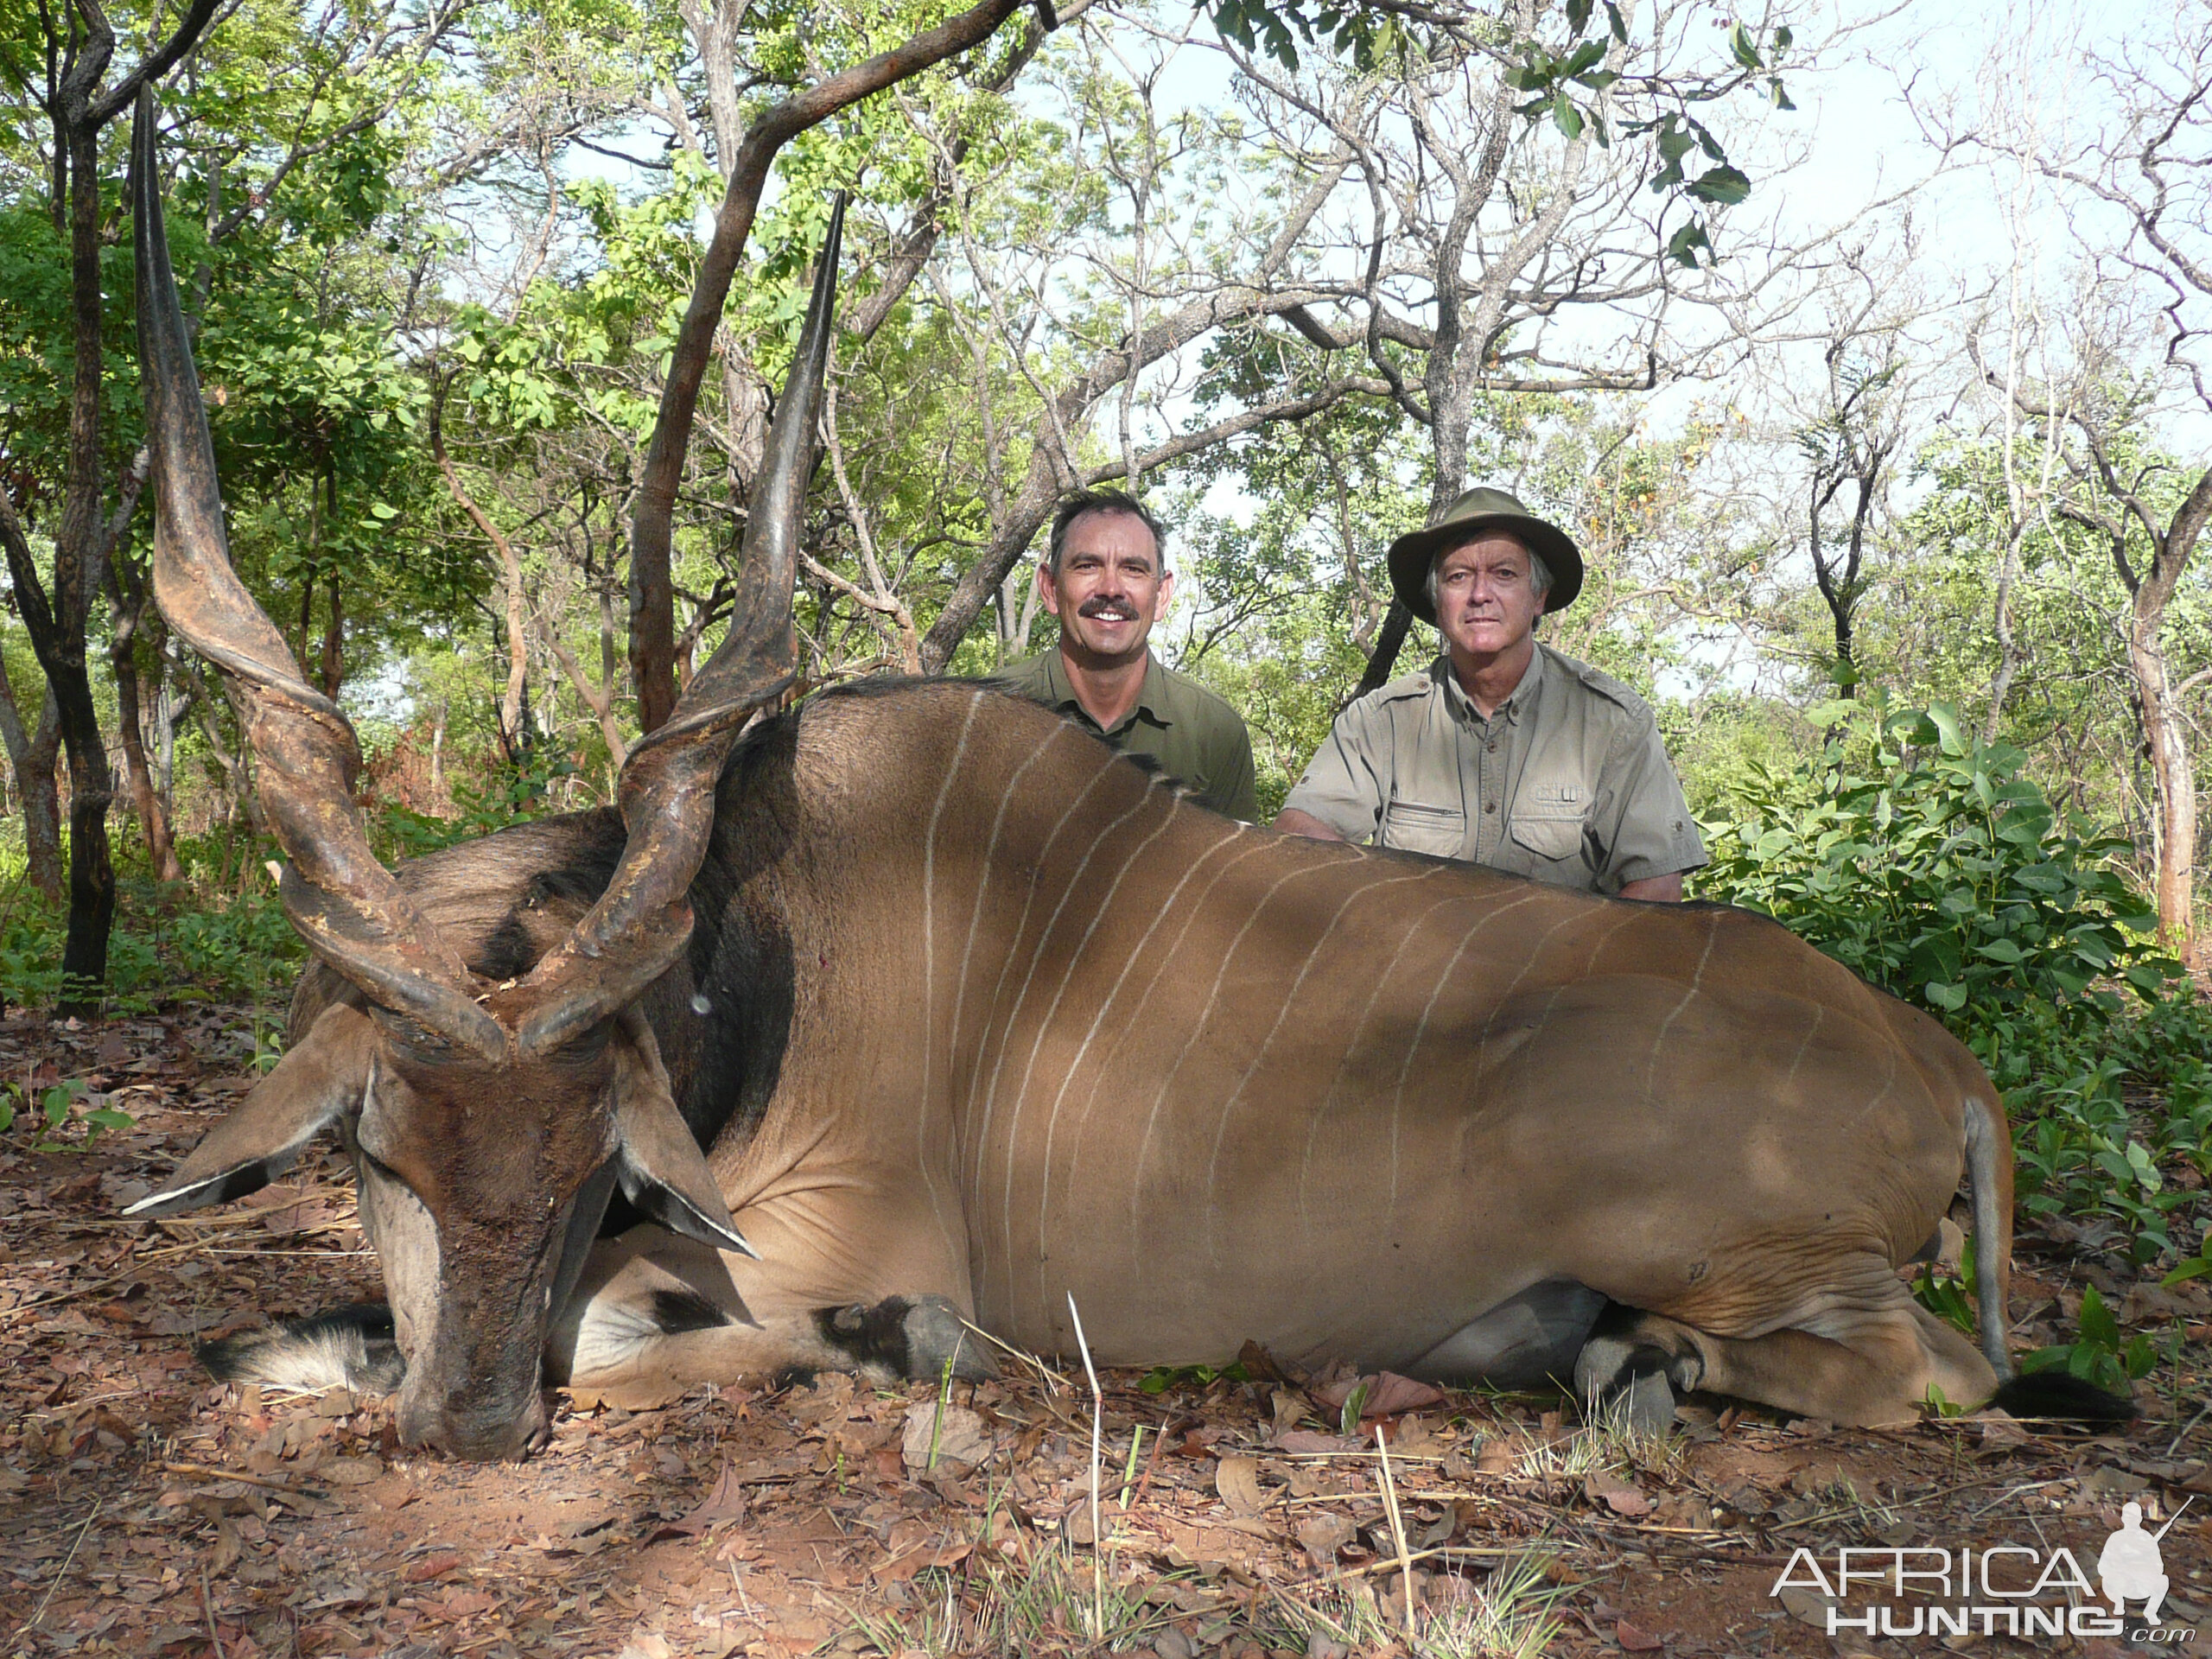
x=476, y=1435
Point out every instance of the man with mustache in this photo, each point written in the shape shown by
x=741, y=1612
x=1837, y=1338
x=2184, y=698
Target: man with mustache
x=1105, y=576
x=1502, y=751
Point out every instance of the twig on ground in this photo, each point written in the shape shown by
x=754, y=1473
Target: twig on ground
x=1397, y=1527
x=1151, y=1462
x=1029, y=1361
x=207, y=1606
x=2174, y=1445
x=206, y=1473
x=61, y=1573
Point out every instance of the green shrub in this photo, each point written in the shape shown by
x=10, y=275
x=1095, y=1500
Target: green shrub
x=165, y=949
x=516, y=794
x=1921, y=857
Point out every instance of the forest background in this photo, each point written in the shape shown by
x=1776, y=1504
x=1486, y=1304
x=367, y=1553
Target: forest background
x=1863, y=349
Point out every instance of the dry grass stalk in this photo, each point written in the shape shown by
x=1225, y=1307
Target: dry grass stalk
x=1397, y=1528
x=1097, y=1436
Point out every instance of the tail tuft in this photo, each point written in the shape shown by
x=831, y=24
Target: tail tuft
x=2063, y=1395
x=350, y=1347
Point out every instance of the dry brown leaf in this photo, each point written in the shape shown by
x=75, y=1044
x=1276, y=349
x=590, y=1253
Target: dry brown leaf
x=431, y=1567
x=228, y=1548
x=1237, y=1480
x=726, y=1502
x=1807, y=1606
x=1322, y=1535
x=960, y=1438
x=1633, y=1640
x=1622, y=1497
x=902, y=1567
x=1074, y=1525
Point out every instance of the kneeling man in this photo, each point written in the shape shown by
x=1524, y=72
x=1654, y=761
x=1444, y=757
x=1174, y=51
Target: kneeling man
x=1502, y=751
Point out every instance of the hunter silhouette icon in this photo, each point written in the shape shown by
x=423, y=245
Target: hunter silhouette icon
x=2130, y=1566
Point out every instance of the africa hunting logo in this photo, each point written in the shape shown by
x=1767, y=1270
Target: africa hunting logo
x=2002, y=1590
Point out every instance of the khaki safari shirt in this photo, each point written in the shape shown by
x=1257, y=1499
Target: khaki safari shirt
x=1194, y=736
x=1568, y=782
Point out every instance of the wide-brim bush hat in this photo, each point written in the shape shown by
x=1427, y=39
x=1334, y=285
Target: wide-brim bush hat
x=1479, y=509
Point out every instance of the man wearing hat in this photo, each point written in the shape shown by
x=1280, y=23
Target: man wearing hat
x=1502, y=751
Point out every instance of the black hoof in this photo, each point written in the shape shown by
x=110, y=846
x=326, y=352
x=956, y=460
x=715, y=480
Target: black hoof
x=907, y=1337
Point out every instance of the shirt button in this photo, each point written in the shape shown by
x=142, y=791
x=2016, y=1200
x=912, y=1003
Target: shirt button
x=1492, y=747
x=1491, y=808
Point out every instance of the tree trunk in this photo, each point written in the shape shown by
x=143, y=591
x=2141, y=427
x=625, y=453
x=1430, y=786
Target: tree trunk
x=2173, y=778
x=138, y=778
x=127, y=599
x=31, y=756
x=2165, y=728
x=1397, y=622
x=56, y=619
x=652, y=598
x=333, y=645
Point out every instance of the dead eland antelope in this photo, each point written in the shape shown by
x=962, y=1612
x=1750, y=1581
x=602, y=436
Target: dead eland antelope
x=917, y=1006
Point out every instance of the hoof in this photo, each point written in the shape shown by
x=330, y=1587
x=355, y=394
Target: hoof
x=1646, y=1405
x=1621, y=1372
x=907, y=1337
x=936, y=1334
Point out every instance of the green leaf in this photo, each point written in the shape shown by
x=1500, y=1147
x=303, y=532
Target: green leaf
x=1724, y=185
x=1682, y=245
x=1578, y=15
x=1586, y=56
x=1615, y=22
x=2098, y=1324
x=1566, y=117
x=1742, y=48
x=2196, y=1268
x=1355, y=1407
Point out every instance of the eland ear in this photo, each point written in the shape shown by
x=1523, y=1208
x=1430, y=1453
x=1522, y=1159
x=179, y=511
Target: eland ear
x=664, y=1173
x=312, y=1087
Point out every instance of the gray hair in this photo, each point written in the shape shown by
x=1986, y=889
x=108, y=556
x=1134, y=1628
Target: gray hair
x=1540, y=574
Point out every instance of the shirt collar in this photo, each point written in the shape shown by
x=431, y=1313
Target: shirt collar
x=1519, y=701
x=1150, y=699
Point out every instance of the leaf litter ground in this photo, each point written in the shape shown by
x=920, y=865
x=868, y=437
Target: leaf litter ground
x=145, y=1511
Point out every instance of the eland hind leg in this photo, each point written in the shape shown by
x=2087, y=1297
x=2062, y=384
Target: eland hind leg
x=1870, y=1367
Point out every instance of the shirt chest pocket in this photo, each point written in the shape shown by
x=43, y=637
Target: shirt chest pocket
x=1549, y=820
x=1417, y=827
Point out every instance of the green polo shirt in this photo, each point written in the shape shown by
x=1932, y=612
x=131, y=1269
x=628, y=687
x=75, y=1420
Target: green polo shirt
x=1194, y=736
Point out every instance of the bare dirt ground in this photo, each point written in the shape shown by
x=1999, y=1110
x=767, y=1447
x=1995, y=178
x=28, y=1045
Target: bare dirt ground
x=145, y=1512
